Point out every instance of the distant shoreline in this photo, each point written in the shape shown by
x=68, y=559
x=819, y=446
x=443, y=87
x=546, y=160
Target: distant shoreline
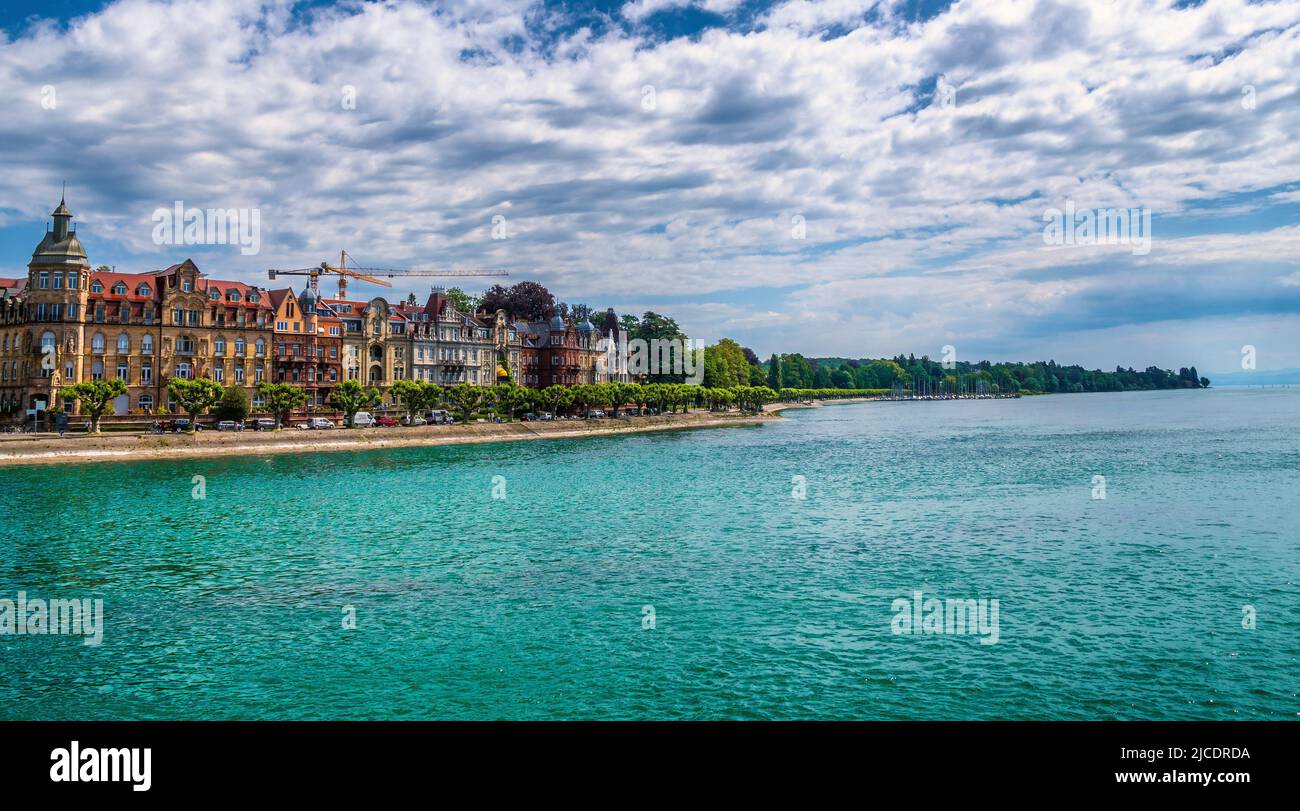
x=81, y=448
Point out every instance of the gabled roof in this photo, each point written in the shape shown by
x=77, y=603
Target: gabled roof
x=132, y=282
x=224, y=288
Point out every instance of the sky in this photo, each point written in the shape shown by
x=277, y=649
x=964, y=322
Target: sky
x=836, y=178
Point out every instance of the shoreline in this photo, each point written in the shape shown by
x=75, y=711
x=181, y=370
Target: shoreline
x=45, y=450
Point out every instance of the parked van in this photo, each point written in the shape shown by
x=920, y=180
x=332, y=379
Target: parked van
x=363, y=419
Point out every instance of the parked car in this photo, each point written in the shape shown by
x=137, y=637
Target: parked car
x=263, y=424
x=319, y=422
x=528, y=417
x=386, y=422
x=439, y=416
x=363, y=419
x=230, y=425
x=409, y=420
x=597, y=414
x=545, y=415
x=182, y=425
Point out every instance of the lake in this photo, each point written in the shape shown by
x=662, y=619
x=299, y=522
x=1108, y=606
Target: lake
x=746, y=573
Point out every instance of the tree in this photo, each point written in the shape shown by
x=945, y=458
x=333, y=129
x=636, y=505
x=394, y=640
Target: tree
x=416, y=395
x=462, y=301
x=96, y=397
x=465, y=400
x=234, y=404
x=350, y=397
x=526, y=300
x=774, y=379
x=194, y=396
x=281, y=399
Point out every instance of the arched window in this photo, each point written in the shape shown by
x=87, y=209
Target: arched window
x=376, y=352
x=146, y=401
x=123, y=344
x=119, y=289
x=241, y=347
x=96, y=287
x=48, y=342
x=146, y=344
x=144, y=290
x=219, y=346
x=97, y=343
x=261, y=346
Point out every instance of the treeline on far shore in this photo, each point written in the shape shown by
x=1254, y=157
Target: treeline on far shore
x=911, y=373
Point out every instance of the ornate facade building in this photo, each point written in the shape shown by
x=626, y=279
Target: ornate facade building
x=65, y=323
x=69, y=324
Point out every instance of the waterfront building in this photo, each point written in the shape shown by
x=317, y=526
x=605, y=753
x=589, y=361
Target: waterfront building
x=68, y=324
x=448, y=346
x=308, y=344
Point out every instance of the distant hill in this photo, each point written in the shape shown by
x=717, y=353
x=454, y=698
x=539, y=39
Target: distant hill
x=1259, y=377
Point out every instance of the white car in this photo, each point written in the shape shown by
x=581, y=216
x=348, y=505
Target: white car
x=319, y=422
x=363, y=419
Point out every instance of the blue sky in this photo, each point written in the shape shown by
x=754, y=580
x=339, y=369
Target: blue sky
x=837, y=178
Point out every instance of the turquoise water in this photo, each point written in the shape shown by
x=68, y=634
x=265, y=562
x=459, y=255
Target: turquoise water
x=765, y=606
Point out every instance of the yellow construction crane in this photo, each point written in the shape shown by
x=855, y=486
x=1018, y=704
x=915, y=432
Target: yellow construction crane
x=344, y=272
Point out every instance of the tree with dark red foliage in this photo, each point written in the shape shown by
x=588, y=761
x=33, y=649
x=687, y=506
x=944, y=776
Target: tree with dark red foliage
x=526, y=300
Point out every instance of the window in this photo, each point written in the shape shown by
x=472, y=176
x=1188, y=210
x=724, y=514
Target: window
x=148, y=314
x=97, y=371
x=144, y=290
x=124, y=313
x=183, y=371
x=219, y=374
x=48, y=343
x=96, y=286
x=253, y=297
x=281, y=326
x=288, y=309
x=146, y=402
x=123, y=344
x=123, y=372
x=43, y=280
x=241, y=347
x=146, y=372
x=258, y=375
x=72, y=280
x=187, y=285
x=219, y=346
x=99, y=313
x=58, y=281
x=97, y=343
x=119, y=289
x=261, y=347
x=185, y=344
x=146, y=345
x=214, y=294
x=239, y=374
x=233, y=295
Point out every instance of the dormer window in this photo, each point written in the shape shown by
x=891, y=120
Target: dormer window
x=253, y=297
x=213, y=295
x=119, y=289
x=144, y=290
x=187, y=285
x=233, y=295
x=96, y=286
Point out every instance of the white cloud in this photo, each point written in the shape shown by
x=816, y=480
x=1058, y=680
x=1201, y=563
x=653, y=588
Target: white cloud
x=924, y=218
